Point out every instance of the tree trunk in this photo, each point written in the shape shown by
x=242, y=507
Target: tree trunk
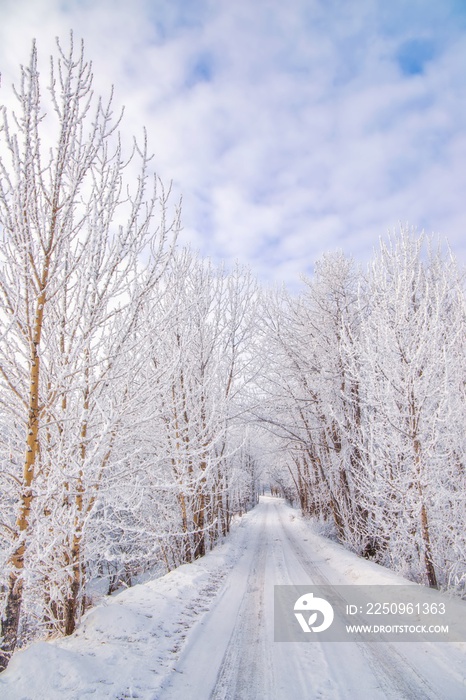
x=10, y=622
x=72, y=605
x=199, y=534
x=428, y=562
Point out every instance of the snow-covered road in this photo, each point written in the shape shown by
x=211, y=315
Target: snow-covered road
x=206, y=630
x=231, y=653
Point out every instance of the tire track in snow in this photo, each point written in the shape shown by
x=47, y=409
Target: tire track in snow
x=398, y=678
x=246, y=671
x=302, y=670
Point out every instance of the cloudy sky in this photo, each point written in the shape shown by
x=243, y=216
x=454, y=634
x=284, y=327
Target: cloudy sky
x=290, y=128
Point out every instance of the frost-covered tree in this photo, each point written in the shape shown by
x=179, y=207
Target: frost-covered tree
x=200, y=363
x=411, y=370
x=82, y=245
x=312, y=389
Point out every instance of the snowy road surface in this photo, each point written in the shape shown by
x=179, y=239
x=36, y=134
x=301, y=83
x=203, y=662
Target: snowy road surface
x=232, y=653
x=205, y=631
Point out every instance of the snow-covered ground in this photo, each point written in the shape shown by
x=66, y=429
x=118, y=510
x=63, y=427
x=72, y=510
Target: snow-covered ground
x=206, y=631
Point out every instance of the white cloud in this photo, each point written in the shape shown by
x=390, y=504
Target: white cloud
x=288, y=128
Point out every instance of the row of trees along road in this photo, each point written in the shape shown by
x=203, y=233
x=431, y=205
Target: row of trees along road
x=366, y=402
x=123, y=363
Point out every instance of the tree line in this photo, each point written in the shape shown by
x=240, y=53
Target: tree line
x=124, y=363
x=366, y=404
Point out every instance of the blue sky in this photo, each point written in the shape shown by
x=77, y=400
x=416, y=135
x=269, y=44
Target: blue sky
x=290, y=128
